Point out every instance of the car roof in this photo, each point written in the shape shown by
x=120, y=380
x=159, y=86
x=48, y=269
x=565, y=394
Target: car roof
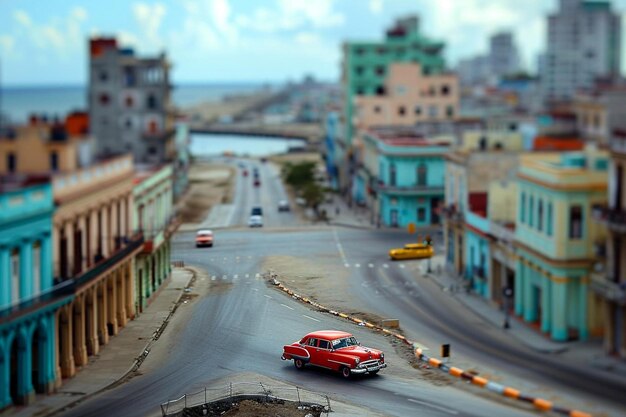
x=328, y=334
x=204, y=231
x=414, y=246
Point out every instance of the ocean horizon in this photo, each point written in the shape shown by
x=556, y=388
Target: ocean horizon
x=18, y=102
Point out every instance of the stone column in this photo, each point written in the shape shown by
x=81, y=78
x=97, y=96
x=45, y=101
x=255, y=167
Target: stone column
x=130, y=285
x=82, y=225
x=69, y=236
x=546, y=300
x=583, y=326
x=530, y=311
x=25, y=391
x=104, y=230
x=46, y=261
x=5, y=369
x=26, y=268
x=120, y=280
x=103, y=315
x=112, y=302
x=5, y=284
x=559, y=309
x=91, y=317
x=123, y=217
x=78, y=318
x=56, y=250
x=49, y=359
x=68, y=368
x=520, y=277
x=57, y=354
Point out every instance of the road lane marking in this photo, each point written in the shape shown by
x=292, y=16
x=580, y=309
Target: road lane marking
x=339, y=246
x=371, y=265
x=290, y=308
x=224, y=277
x=257, y=275
x=309, y=317
x=213, y=278
x=236, y=276
x=436, y=407
x=401, y=266
x=347, y=265
x=255, y=289
x=357, y=265
x=265, y=295
x=385, y=266
x=247, y=275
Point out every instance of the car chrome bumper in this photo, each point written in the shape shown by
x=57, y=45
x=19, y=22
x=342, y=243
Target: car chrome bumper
x=368, y=368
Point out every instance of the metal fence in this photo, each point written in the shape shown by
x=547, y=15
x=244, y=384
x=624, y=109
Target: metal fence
x=245, y=390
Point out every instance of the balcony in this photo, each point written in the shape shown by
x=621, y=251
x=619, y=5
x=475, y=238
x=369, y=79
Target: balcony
x=501, y=232
x=452, y=213
x=56, y=293
x=609, y=290
x=617, y=143
x=411, y=190
x=614, y=219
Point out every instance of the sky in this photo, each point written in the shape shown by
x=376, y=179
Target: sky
x=44, y=42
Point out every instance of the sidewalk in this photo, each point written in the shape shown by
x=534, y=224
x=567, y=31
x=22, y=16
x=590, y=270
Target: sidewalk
x=116, y=359
x=589, y=352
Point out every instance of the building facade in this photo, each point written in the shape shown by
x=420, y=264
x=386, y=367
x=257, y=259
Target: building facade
x=403, y=178
x=503, y=55
x=599, y=112
x=94, y=250
x=28, y=298
x=153, y=215
x=584, y=43
x=555, y=241
x=609, y=283
x=365, y=67
x=129, y=103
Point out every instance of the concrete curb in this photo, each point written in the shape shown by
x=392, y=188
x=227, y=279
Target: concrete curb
x=509, y=392
x=138, y=360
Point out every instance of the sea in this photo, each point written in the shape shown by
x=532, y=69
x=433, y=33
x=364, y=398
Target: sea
x=18, y=103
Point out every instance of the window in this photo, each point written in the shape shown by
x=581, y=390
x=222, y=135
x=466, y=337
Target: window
x=104, y=99
x=359, y=70
x=377, y=109
x=400, y=90
x=549, y=221
x=36, y=268
x=421, y=174
x=392, y=175
x=54, y=161
x=359, y=51
x=380, y=70
x=421, y=214
x=151, y=102
x=540, y=215
x=312, y=342
x=431, y=91
x=11, y=162
x=324, y=344
x=531, y=208
x=401, y=111
x=482, y=143
x=129, y=101
x=15, y=276
x=445, y=90
x=380, y=90
x=104, y=76
x=418, y=110
x=433, y=111
x=450, y=111
x=576, y=222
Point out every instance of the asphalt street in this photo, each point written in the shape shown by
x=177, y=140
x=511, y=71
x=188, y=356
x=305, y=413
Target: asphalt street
x=238, y=324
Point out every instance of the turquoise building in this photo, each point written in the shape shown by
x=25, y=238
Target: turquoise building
x=403, y=176
x=555, y=241
x=28, y=298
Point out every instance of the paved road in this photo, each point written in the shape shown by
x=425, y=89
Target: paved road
x=240, y=324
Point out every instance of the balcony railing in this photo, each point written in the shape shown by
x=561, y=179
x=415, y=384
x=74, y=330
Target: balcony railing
x=59, y=291
x=615, y=219
x=608, y=289
x=407, y=190
x=501, y=232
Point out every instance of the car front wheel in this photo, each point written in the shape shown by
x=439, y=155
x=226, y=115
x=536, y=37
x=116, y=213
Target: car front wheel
x=346, y=372
x=299, y=364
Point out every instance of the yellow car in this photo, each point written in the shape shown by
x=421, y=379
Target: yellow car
x=412, y=251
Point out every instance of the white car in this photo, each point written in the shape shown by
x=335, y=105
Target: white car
x=255, y=221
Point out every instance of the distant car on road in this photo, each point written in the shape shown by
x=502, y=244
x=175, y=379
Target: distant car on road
x=336, y=350
x=256, y=211
x=283, y=205
x=412, y=251
x=255, y=221
x=204, y=238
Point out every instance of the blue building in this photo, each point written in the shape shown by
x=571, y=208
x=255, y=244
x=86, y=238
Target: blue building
x=332, y=130
x=28, y=300
x=403, y=177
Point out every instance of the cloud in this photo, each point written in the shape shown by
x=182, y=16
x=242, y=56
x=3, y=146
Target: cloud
x=61, y=35
x=293, y=14
x=149, y=18
x=376, y=6
x=7, y=44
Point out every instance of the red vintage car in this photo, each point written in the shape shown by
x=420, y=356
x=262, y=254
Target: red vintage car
x=335, y=350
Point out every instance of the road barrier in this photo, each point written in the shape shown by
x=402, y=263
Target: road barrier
x=539, y=403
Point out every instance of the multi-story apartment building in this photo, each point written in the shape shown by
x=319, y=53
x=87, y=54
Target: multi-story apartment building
x=584, y=43
x=473, y=71
x=129, y=103
x=404, y=178
x=556, y=241
x=470, y=169
x=609, y=283
x=28, y=298
x=410, y=97
x=153, y=213
x=365, y=68
x=503, y=55
x=599, y=111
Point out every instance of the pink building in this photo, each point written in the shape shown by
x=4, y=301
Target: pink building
x=409, y=97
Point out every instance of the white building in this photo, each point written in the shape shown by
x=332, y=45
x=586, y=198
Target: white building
x=503, y=55
x=583, y=44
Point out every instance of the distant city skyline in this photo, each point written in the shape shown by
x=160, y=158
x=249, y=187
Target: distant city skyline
x=44, y=43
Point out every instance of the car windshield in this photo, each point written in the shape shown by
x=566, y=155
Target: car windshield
x=344, y=342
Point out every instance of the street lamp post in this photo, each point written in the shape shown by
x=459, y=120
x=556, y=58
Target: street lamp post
x=507, y=292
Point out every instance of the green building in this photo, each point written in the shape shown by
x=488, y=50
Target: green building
x=365, y=66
